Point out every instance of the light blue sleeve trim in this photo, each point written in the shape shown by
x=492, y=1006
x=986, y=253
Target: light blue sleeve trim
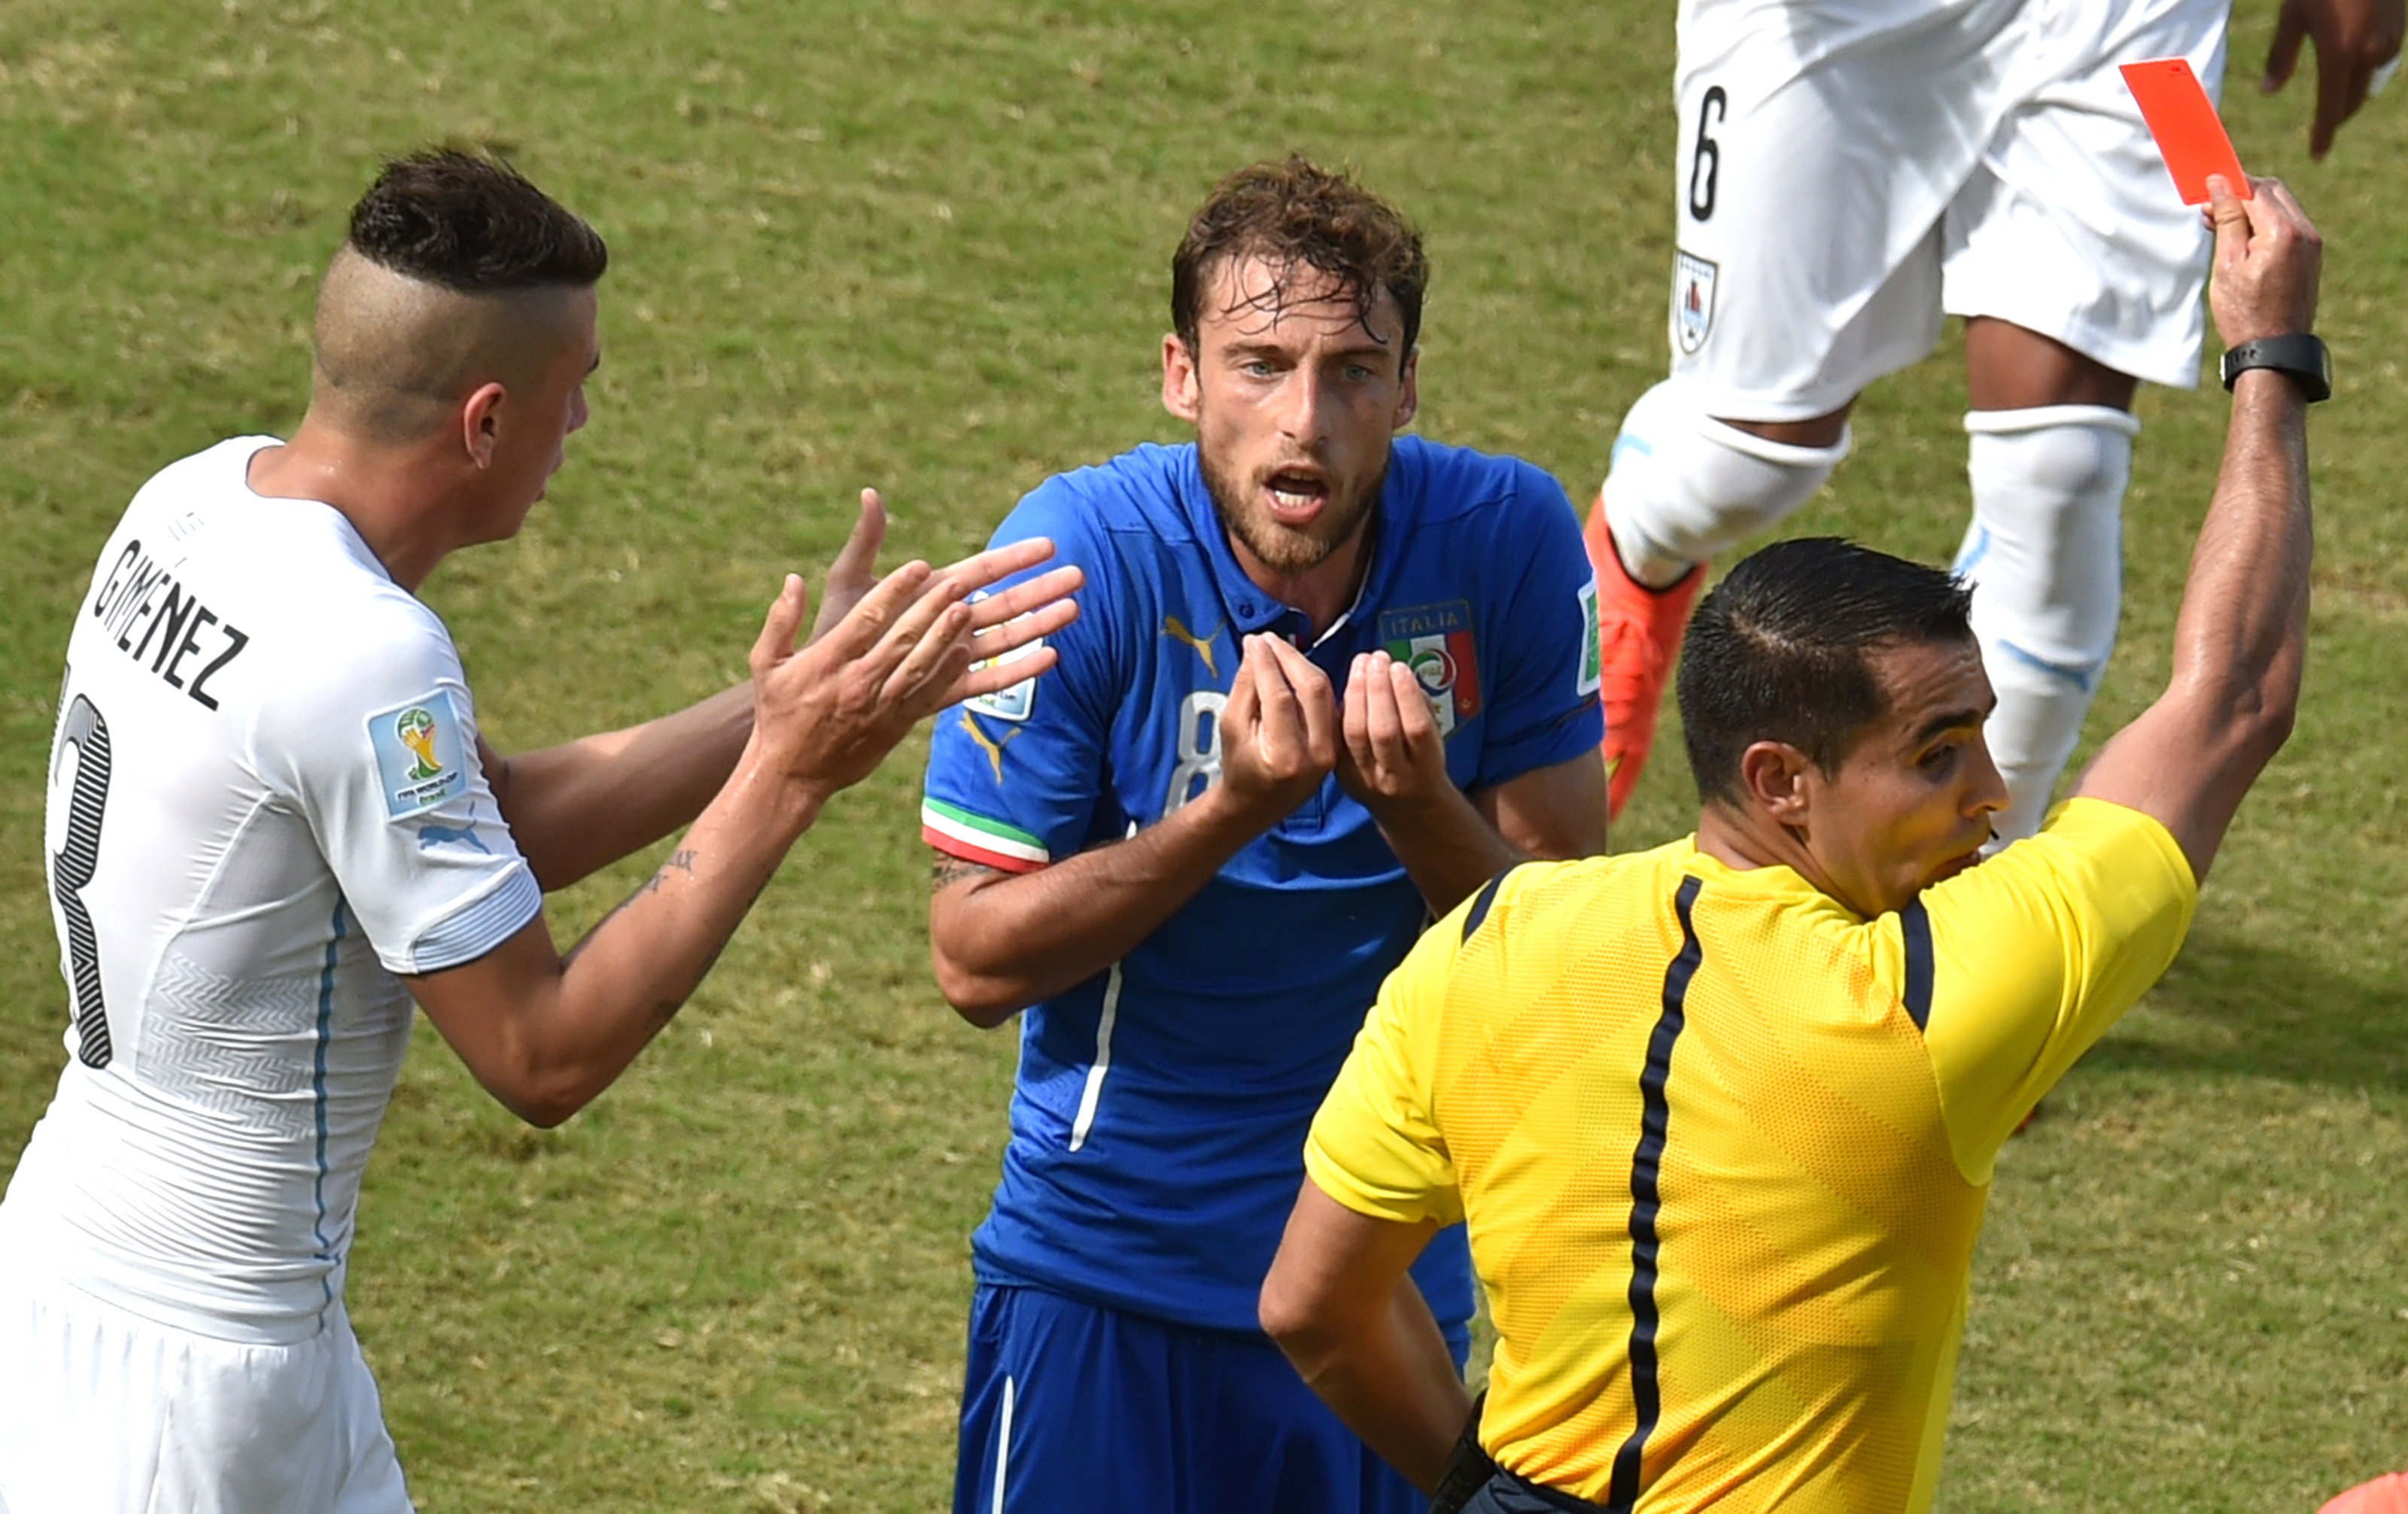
x=485, y=923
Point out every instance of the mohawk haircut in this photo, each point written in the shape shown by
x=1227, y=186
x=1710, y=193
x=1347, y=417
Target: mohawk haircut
x=1297, y=216
x=1780, y=651
x=473, y=225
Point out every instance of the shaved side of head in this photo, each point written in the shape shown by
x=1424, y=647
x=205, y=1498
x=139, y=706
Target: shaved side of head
x=457, y=273
x=395, y=355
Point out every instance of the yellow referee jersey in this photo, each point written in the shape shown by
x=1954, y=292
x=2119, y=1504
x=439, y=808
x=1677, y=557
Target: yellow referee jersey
x=1723, y=1146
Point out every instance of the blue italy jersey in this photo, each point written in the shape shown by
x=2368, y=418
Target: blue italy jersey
x=1158, y=1124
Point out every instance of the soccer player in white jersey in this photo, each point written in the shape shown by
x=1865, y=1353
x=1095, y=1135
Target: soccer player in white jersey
x=273, y=824
x=1847, y=173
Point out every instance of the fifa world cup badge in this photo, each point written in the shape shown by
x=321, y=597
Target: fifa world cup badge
x=420, y=754
x=1693, y=300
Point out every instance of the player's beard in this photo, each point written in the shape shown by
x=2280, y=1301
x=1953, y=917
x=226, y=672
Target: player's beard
x=1288, y=550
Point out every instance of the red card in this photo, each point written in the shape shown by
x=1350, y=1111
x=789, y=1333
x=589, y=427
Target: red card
x=2188, y=133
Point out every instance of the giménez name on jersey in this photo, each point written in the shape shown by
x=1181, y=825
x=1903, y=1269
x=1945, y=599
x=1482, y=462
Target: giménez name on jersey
x=140, y=598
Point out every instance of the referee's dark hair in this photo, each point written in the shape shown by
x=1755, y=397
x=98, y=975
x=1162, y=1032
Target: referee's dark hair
x=1778, y=651
x=474, y=226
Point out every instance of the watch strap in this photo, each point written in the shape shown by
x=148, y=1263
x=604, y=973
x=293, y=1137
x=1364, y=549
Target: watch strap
x=2302, y=358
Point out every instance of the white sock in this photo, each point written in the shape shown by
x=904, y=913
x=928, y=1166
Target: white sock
x=2046, y=558
x=1684, y=487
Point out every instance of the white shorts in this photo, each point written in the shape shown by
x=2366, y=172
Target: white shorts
x=1849, y=171
x=105, y=1412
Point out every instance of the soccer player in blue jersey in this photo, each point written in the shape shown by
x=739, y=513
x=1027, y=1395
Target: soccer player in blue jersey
x=1325, y=680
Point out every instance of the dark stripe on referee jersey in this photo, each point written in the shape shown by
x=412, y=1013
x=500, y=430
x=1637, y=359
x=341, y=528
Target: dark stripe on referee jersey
x=1918, y=928
x=1480, y=905
x=1646, y=1202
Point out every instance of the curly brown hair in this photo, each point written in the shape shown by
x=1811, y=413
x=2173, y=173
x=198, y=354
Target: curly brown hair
x=1297, y=216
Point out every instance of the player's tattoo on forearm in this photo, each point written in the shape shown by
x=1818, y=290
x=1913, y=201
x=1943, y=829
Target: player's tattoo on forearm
x=666, y=1010
x=681, y=861
x=945, y=870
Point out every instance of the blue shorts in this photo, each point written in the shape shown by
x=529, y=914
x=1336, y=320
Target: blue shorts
x=1069, y=1407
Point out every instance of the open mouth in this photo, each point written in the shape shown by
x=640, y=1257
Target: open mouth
x=1296, y=495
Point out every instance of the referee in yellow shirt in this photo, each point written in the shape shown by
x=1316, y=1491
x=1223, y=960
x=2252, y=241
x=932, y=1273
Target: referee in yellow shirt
x=1721, y=1116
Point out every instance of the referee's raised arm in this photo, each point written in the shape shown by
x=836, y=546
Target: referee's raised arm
x=2241, y=639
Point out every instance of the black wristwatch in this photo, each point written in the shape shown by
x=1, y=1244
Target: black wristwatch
x=2302, y=359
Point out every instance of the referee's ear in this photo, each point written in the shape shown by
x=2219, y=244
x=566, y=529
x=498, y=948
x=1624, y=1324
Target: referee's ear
x=1773, y=776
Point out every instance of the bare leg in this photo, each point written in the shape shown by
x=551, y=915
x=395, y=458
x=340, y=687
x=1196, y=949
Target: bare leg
x=2008, y=367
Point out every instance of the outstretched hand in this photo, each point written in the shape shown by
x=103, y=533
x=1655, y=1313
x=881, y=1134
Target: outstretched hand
x=2268, y=256
x=2355, y=41
x=825, y=714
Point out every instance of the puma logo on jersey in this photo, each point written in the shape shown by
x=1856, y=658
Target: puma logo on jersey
x=437, y=836
x=1176, y=630
x=992, y=746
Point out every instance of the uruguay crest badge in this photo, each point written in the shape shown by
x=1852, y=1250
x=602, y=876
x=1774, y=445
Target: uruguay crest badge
x=1693, y=300
x=1435, y=641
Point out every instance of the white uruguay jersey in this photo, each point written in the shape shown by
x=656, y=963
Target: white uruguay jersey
x=1849, y=170
x=264, y=802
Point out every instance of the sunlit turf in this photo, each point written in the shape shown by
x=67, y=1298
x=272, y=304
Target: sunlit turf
x=925, y=247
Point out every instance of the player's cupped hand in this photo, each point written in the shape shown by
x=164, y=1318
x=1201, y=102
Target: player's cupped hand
x=1391, y=752
x=2268, y=259
x=2358, y=45
x=1278, y=731
x=825, y=714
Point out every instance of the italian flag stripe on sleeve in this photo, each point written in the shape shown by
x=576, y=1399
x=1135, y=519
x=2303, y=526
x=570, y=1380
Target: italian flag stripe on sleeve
x=991, y=843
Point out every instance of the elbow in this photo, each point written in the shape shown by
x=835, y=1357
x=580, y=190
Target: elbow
x=981, y=1000
x=1297, y=1322
x=2278, y=721
x=1282, y=1318
x=984, y=999
x=544, y=1098
x=544, y=1111
x=2262, y=721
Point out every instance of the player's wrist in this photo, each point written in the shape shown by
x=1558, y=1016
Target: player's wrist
x=1237, y=809
x=777, y=798
x=1432, y=798
x=1242, y=811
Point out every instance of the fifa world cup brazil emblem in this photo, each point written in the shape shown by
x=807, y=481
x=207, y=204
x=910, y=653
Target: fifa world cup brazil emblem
x=415, y=726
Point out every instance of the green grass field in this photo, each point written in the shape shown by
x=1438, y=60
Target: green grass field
x=925, y=247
